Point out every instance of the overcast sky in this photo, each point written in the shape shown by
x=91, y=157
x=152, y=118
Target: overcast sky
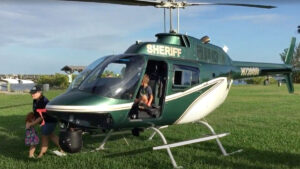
x=41, y=38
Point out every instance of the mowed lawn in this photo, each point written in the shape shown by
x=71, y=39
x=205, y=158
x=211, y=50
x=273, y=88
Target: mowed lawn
x=264, y=121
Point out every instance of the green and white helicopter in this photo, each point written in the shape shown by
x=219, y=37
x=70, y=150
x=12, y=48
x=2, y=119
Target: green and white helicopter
x=189, y=78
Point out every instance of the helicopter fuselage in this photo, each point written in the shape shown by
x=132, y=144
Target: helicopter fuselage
x=189, y=77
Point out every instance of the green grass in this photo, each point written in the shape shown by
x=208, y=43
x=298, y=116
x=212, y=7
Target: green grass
x=263, y=121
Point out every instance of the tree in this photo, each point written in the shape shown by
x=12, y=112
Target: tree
x=295, y=62
x=57, y=80
x=108, y=73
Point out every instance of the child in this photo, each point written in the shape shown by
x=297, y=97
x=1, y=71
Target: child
x=31, y=138
x=145, y=95
x=143, y=99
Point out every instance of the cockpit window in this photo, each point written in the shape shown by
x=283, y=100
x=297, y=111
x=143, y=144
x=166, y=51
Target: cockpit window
x=116, y=77
x=77, y=81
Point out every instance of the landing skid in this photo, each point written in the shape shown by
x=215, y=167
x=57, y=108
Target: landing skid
x=218, y=140
x=169, y=146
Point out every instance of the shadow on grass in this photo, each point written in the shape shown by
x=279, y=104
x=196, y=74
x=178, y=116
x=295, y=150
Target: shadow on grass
x=12, y=137
x=252, y=155
x=129, y=153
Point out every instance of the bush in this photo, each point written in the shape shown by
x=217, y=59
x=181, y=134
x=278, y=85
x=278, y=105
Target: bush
x=296, y=77
x=56, y=81
x=260, y=80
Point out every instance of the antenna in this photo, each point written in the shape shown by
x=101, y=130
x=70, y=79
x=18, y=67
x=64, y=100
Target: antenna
x=171, y=22
x=165, y=29
x=178, y=20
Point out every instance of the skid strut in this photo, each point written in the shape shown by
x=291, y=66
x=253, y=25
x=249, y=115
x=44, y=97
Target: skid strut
x=107, y=136
x=168, y=147
x=101, y=147
x=154, y=132
x=218, y=140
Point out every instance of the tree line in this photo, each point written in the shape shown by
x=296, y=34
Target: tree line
x=295, y=62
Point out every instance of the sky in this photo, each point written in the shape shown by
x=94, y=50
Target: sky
x=41, y=37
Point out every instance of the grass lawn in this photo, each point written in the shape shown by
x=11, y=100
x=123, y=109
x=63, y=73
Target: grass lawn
x=264, y=121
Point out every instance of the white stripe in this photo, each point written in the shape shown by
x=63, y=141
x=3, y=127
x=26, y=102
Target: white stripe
x=206, y=102
x=117, y=107
x=194, y=89
x=91, y=109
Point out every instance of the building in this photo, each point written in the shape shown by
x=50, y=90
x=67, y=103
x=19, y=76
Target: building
x=72, y=69
x=15, y=85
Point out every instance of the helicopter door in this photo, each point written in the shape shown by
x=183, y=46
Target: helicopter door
x=157, y=72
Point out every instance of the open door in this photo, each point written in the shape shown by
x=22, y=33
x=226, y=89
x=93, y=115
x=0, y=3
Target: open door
x=157, y=72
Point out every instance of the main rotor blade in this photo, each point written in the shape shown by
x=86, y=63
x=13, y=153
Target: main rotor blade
x=231, y=4
x=123, y=2
x=169, y=3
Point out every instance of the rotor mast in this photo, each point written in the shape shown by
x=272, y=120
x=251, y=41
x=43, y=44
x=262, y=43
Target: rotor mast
x=171, y=4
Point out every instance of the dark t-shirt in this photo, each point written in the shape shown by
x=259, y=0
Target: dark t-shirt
x=144, y=91
x=41, y=104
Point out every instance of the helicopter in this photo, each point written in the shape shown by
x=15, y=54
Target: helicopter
x=189, y=78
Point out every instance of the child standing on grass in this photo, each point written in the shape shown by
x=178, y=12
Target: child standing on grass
x=31, y=138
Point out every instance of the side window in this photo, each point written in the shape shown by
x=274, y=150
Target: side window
x=185, y=76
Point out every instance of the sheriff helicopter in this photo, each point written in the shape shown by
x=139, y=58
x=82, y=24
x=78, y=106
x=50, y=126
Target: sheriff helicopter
x=189, y=78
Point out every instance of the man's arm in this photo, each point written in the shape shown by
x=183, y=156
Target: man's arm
x=36, y=121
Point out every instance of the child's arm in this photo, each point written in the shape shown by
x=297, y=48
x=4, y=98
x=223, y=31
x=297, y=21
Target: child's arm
x=36, y=121
x=150, y=100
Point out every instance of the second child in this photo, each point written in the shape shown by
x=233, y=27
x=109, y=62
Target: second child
x=31, y=137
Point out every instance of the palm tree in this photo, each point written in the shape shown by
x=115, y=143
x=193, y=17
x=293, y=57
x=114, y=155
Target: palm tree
x=296, y=56
x=295, y=62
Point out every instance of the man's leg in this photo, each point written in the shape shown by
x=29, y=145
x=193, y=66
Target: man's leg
x=44, y=145
x=55, y=139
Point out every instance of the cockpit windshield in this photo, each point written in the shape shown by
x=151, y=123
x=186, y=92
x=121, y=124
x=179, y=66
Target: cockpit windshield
x=115, y=77
x=77, y=81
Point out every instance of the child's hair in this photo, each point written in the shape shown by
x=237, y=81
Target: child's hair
x=146, y=79
x=29, y=117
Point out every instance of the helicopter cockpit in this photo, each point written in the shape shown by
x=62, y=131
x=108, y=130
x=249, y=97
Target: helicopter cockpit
x=114, y=77
x=117, y=77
